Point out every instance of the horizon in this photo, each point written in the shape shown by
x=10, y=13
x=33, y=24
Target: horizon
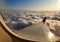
x=35, y=5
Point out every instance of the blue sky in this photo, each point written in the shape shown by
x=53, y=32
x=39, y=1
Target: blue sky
x=29, y=4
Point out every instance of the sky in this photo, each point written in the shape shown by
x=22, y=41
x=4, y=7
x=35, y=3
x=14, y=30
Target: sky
x=30, y=4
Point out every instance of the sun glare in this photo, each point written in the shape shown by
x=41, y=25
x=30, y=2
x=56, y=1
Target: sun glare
x=58, y=3
x=51, y=37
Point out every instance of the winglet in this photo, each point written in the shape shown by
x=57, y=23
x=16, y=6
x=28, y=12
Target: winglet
x=44, y=20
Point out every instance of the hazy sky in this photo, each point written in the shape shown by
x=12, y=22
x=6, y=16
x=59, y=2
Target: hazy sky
x=30, y=4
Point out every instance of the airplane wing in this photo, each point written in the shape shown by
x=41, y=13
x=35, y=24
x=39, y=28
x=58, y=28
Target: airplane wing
x=36, y=32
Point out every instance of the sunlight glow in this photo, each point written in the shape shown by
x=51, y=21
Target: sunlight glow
x=51, y=37
x=58, y=3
